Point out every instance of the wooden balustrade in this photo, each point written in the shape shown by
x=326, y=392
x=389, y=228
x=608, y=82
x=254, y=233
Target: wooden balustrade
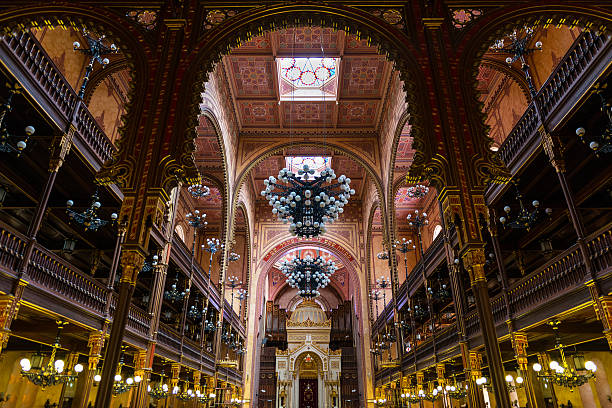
x=12, y=247
x=64, y=106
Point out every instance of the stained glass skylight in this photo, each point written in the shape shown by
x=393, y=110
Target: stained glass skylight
x=317, y=163
x=312, y=78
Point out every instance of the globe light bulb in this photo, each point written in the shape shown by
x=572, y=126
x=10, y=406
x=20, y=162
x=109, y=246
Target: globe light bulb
x=137, y=379
x=97, y=378
x=117, y=377
x=129, y=381
x=537, y=367
x=509, y=378
x=25, y=364
x=589, y=365
x=519, y=380
x=59, y=365
x=553, y=365
x=78, y=368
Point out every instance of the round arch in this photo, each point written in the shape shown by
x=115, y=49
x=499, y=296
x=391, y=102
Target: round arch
x=368, y=254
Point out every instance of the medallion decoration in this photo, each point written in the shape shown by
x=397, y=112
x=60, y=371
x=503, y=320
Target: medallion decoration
x=146, y=18
x=462, y=17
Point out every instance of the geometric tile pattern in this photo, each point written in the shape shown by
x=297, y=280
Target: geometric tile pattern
x=308, y=39
x=357, y=113
x=308, y=113
x=258, y=113
x=362, y=76
x=253, y=75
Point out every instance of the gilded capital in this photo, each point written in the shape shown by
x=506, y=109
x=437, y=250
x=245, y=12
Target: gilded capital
x=474, y=260
x=132, y=261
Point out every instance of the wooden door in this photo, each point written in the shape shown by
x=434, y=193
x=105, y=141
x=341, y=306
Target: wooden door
x=309, y=393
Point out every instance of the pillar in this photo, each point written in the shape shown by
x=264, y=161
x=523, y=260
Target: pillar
x=175, y=370
x=9, y=307
x=519, y=344
x=132, y=261
x=544, y=361
x=472, y=363
x=143, y=360
x=605, y=316
x=86, y=379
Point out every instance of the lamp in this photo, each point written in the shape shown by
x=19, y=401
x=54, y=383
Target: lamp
x=160, y=390
x=12, y=143
x=308, y=275
x=69, y=245
x=306, y=204
x=405, y=246
x=198, y=190
x=3, y=193
x=417, y=191
x=89, y=217
x=174, y=295
x=53, y=372
x=600, y=143
x=97, y=51
x=525, y=219
x=512, y=384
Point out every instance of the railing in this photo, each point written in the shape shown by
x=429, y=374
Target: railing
x=52, y=273
x=12, y=247
x=169, y=337
x=600, y=250
x=44, y=73
x=568, y=74
x=138, y=320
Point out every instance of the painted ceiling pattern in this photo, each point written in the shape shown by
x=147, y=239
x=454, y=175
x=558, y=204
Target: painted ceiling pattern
x=264, y=99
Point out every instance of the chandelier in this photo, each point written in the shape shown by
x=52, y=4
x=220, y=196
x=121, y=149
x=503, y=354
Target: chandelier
x=96, y=51
x=417, y=191
x=174, y=295
x=198, y=190
x=159, y=391
x=561, y=373
x=150, y=264
x=89, y=218
x=600, y=143
x=195, y=313
x=53, y=372
x=5, y=137
x=512, y=384
x=411, y=397
x=383, y=283
x=381, y=402
x=308, y=275
x=305, y=203
x=185, y=394
x=382, y=255
x=233, y=257
x=525, y=219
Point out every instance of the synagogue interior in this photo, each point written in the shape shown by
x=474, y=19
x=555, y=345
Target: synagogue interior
x=306, y=204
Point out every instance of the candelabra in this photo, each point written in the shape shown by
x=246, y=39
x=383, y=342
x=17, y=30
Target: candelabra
x=382, y=255
x=195, y=313
x=411, y=397
x=525, y=219
x=383, y=283
x=405, y=246
x=233, y=282
x=375, y=296
x=233, y=257
x=97, y=51
x=150, y=264
x=381, y=402
x=186, y=394
x=417, y=191
x=561, y=373
x=174, y=295
x=159, y=391
x=52, y=373
x=518, y=49
x=601, y=143
x=6, y=139
x=198, y=190
x=513, y=383
x=241, y=294
x=213, y=245
x=307, y=205
x=89, y=217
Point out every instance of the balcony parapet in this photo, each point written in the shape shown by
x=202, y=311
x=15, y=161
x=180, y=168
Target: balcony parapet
x=29, y=63
x=581, y=67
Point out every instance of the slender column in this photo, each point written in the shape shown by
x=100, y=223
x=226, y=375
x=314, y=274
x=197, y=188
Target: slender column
x=500, y=265
x=544, y=361
x=113, y=271
x=197, y=377
x=472, y=362
x=86, y=379
x=441, y=372
x=132, y=261
x=606, y=317
x=70, y=363
x=142, y=367
x=519, y=344
x=9, y=307
x=473, y=260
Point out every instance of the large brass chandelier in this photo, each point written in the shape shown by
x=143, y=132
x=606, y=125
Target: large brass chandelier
x=308, y=275
x=305, y=202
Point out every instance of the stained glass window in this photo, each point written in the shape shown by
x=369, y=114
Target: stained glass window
x=308, y=72
x=317, y=163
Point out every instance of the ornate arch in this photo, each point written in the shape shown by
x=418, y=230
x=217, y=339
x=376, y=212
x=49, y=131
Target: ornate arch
x=97, y=77
x=242, y=206
x=128, y=36
x=513, y=73
x=368, y=256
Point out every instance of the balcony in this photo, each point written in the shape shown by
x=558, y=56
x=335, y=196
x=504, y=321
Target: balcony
x=28, y=62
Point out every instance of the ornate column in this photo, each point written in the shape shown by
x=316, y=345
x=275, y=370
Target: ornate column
x=519, y=344
x=472, y=361
x=606, y=317
x=9, y=307
x=175, y=370
x=143, y=361
x=544, y=361
x=132, y=261
x=86, y=379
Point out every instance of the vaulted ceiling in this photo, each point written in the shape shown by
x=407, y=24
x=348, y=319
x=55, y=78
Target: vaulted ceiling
x=363, y=77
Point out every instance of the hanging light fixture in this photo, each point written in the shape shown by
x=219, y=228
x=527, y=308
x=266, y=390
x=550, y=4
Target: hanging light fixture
x=69, y=245
x=97, y=51
x=308, y=275
x=304, y=202
x=160, y=390
x=382, y=255
x=600, y=143
x=174, y=295
x=149, y=264
x=383, y=283
x=12, y=143
x=561, y=373
x=53, y=372
x=89, y=218
x=198, y=190
x=512, y=384
x=186, y=394
x=375, y=296
x=417, y=191
x=525, y=219
x=195, y=312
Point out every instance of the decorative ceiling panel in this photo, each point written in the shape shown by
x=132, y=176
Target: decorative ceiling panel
x=253, y=75
x=308, y=39
x=353, y=44
x=357, y=113
x=269, y=167
x=308, y=114
x=258, y=113
x=362, y=76
x=261, y=43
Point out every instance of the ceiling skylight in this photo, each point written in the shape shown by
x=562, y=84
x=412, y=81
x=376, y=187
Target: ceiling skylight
x=317, y=163
x=308, y=78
